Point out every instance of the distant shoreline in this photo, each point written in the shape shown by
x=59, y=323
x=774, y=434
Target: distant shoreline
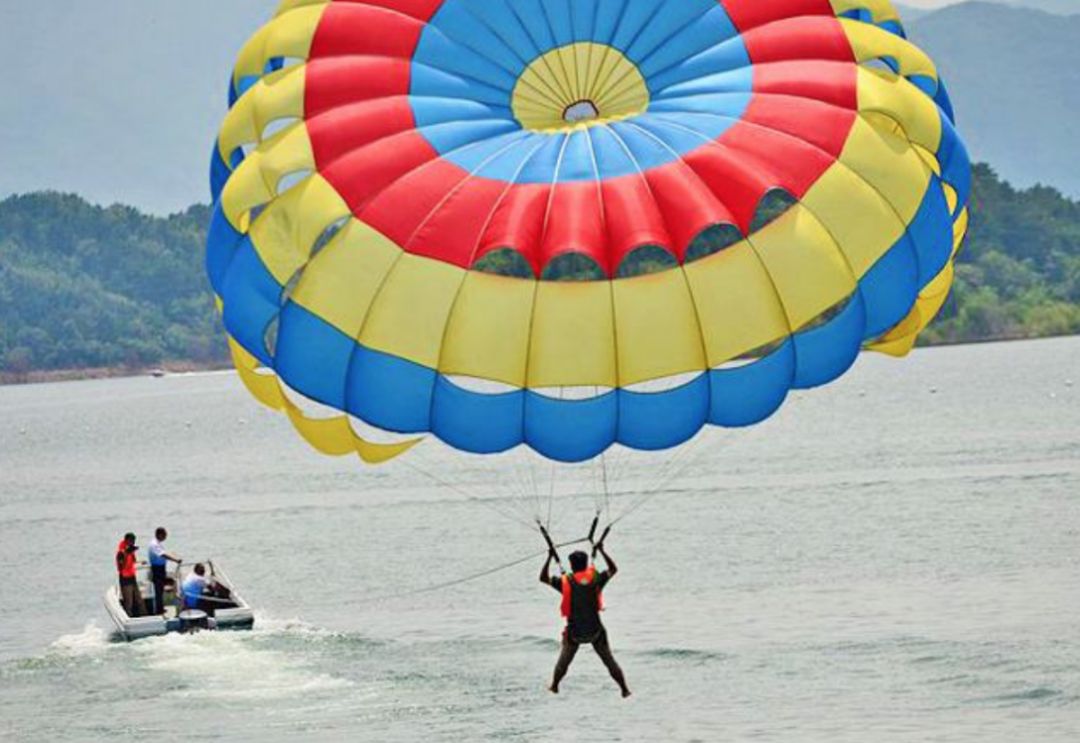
x=53, y=376
x=186, y=367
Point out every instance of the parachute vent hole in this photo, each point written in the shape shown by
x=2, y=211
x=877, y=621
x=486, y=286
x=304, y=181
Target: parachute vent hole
x=290, y=288
x=644, y=260
x=314, y=410
x=481, y=386
x=289, y=180
x=236, y=157
x=887, y=65
x=573, y=267
x=664, y=384
x=277, y=126
x=577, y=393
x=828, y=315
x=270, y=337
x=754, y=355
x=773, y=205
x=327, y=236
x=712, y=240
x=584, y=110
x=285, y=63
x=505, y=262
x=324, y=239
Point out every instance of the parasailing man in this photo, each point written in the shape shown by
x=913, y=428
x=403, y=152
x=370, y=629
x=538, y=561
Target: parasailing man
x=582, y=601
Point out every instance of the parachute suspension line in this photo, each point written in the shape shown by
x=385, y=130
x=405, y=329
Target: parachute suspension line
x=551, y=493
x=535, y=487
x=598, y=484
x=600, y=488
x=527, y=478
x=675, y=467
x=626, y=471
x=530, y=480
x=659, y=487
x=537, y=500
x=598, y=545
x=592, y=529
x=607, y=488
x=551, y=478
x=522, y=479
x=490, y=504
x=472, y=577
x=553, y=552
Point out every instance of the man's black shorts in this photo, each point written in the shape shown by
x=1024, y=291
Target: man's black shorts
x=596, y=639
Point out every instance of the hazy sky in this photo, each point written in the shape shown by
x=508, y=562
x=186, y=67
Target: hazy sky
x=93, y=92
x=929, y=3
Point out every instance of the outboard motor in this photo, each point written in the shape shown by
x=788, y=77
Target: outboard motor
x=193, y=620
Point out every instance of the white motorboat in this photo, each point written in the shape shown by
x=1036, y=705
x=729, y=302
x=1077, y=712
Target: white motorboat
x=228, y=608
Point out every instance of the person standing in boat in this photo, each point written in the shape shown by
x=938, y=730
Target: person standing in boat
x=127, y=566
x=159, y=560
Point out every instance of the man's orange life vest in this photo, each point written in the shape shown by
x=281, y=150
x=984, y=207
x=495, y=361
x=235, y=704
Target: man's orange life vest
x=582, y=578
x=125, y=561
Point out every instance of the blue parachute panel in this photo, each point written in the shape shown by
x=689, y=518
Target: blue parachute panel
x=745, y=395
x=475, y=422
x=570, y=430
x=660, y=420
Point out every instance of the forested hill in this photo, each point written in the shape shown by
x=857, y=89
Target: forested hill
x=84, y=286
x=1019, y=274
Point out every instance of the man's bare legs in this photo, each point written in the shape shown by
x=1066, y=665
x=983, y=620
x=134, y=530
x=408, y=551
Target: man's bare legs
x=566, y=657
x=603, y=649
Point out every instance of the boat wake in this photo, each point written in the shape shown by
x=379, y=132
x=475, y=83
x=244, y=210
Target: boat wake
x=223, y=665
x=92, y=640
x=281, y=658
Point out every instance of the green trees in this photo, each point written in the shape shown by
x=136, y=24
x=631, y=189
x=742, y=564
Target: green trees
x=85, y=286
x=1019, y=274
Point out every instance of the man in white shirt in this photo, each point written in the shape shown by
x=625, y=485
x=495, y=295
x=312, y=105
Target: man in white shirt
x=159, y=559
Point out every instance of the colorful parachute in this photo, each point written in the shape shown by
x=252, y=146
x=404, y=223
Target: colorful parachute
x=378, y=152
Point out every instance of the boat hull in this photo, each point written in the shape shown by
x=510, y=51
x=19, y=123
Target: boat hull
x=239, y=618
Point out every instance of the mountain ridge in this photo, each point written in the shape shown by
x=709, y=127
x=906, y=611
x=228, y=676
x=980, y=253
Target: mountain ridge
x=1016, y=109
x=84, y=285
x=78, y=118
x=87, y=286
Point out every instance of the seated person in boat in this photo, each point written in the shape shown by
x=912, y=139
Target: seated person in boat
x=194, y=590
x=206, y=593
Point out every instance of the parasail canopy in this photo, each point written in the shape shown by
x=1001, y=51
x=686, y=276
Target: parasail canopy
x=399, y=185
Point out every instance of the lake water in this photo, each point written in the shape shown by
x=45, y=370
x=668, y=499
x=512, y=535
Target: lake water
x=893, y=558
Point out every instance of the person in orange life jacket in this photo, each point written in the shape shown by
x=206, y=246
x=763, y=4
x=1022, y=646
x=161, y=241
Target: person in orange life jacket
x=582, y=602
x=127, y=569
